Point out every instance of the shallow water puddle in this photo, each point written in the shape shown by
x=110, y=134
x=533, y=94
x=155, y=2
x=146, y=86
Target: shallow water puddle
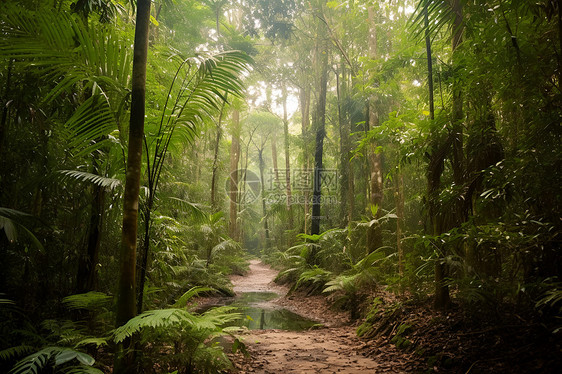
x=259, y=313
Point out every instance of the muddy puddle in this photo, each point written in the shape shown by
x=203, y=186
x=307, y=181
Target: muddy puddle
x=260, y=313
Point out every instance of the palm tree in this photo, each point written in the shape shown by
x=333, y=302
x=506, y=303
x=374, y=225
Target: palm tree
x=200, y=88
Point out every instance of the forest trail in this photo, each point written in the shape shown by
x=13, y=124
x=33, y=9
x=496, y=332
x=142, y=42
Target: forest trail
x=323, y=350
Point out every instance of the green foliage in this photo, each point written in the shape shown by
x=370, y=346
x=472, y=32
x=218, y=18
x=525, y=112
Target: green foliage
x=11, y=220
x=193, y=292
x=399, y=338
x=192, y=335
x=55, y=357
x=313, y=280
x=91, y=301
x=105, y=182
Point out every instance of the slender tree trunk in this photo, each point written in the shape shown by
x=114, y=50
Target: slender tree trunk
x=4, y=119
x=87, y=278
x=290, y=223
x=374, y=233
x=344, y=140
x=274, y=160
x=442, y=297
x=144, y=253
x=214, y=206
x=305, y=126
x=320, y=127
x=233, y=188
x=126, y=291
x=457, y=112
x=429, y=65
x=399, y=221
x=434, y=171
x=263, y=204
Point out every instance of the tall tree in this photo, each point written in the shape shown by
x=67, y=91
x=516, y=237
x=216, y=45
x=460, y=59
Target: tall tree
x=374, y=233
x=290, y=224
x=233, y=229
x=126, y=291
x=319, y=119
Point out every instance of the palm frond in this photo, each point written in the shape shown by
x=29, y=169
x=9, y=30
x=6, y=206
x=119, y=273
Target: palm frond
x=48, y=39
x=193, y=209
x=98, y=180
x=10, y=222
x=439, y=13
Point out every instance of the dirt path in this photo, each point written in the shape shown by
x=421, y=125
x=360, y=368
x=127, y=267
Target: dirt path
x=324, y=350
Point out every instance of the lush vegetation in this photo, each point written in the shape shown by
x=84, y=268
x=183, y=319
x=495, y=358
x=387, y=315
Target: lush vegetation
x=408, y=146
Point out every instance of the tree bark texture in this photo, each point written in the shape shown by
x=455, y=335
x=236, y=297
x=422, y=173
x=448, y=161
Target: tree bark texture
x=126, y=291
x=290, y=223
x=374, y=233
x=320, y=127
x=233, y=180
x=304, y=97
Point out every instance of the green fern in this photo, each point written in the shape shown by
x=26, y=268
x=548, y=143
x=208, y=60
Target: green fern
x=54, y=357
x=314, y=279
x=192, y=335
x=163, y=318
x=192, y=292
x=15, y=352
x=90, y=300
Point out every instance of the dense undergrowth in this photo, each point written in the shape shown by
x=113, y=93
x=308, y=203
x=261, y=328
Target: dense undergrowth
x=495, y=322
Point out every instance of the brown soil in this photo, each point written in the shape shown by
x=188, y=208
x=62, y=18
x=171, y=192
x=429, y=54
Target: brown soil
x=334, y=348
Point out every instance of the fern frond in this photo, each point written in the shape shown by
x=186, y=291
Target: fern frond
x=83, y=370
x=345, y=283
x=315, y=276
x=192, y=292
x=50, y=356
x=14, y=352
x=89, y=300
x=217, y=317
x=163, y=318
x=98, y=342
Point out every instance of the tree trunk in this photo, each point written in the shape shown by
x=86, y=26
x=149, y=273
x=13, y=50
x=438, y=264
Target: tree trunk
x=263, y=204
x=126, y=291
x=305, y=128
x=214, y=206
x=429, y=65
x=233, y=188
x=374, y=233
x=457, y=112
x=4, y=102
x=274, y=159
x=87, y=279
x=290, y=223
x=344, y=141
x=399, y=222
x=320, y=127
x=144, y=253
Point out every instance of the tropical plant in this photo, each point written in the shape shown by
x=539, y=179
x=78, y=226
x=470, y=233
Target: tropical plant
x=194, y=348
